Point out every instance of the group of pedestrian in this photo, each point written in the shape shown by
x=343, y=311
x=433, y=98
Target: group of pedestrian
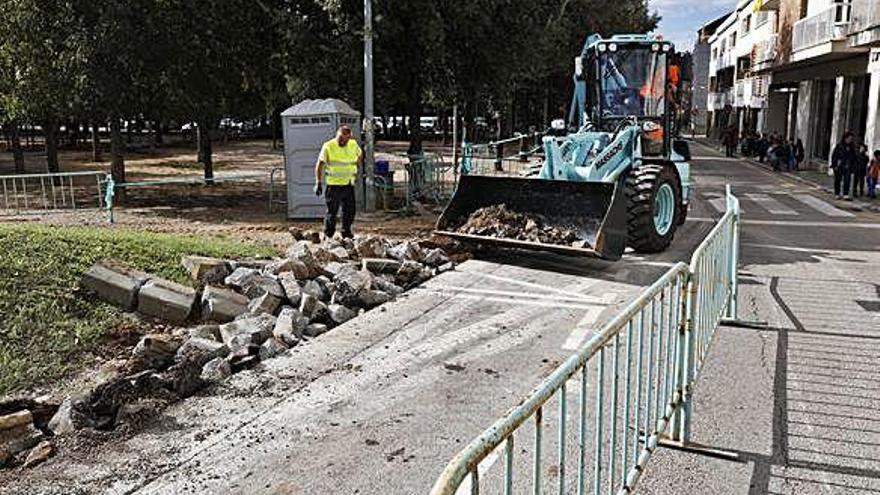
x=780, y=153
x=852, y=166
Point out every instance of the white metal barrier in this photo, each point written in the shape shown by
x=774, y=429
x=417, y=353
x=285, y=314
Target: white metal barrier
x=24, y=194
x=637, y=399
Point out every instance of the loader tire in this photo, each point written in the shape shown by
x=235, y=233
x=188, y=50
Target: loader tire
x=652, y=191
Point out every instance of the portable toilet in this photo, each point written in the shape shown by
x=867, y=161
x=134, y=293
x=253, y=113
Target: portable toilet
x=307, y=125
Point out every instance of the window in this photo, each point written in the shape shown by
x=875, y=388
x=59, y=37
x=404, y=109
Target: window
x=745, y=25
x=732, y=40
x=715, y=53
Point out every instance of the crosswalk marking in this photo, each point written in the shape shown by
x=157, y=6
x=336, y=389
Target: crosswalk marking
x=822, y=206
x=770, y=204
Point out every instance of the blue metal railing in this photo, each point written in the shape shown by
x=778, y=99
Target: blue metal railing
x=664, y=335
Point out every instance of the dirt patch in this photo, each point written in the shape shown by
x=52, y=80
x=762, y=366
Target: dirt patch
x=499, y=221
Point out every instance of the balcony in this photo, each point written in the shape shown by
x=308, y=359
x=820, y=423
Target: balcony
x=725, y=60
x=719, y=99
x=827, y=26
x=865, y=26
x=764, y=54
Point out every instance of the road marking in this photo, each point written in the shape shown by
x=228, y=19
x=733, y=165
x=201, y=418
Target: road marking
x=519, y=302
x=822, y=206
x=770, y=204
x=582, y=329
x=541, y=287
x=715, y=158
x=794, y=223
x=606, y=298
x=717, y=200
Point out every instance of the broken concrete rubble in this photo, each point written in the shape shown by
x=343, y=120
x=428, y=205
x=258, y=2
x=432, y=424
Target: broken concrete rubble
x=222, y=305
x=166, y=300
x=156, y=350
x=265, y=304
x=252, y=329
x=205, y=270
x=216, y=369
x=271, y=347
x=114, y=283
x=289, y=326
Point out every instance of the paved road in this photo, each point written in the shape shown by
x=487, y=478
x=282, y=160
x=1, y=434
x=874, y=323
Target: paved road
x=380, y=404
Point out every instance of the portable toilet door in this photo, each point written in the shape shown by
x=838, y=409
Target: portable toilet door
x=307, y=125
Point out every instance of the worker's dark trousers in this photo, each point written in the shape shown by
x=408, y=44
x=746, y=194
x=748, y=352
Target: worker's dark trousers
x=339, y=196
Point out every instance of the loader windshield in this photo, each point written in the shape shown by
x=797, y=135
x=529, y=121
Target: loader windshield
x=632, y=81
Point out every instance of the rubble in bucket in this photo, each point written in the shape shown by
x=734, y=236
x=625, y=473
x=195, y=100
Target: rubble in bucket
x=501, y=222
x=240, y=312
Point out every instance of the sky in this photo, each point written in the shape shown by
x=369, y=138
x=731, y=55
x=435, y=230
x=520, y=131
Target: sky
x=682, y=18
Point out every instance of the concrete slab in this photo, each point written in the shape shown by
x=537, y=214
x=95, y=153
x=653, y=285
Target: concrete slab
x=166, y=300
x=114, y=283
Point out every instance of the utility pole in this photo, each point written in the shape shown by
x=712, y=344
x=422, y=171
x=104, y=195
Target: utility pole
x=369, y=138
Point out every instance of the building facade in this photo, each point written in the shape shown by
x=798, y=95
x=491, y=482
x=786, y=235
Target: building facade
x=701, y=60
x=738, y=89
x=814, y=67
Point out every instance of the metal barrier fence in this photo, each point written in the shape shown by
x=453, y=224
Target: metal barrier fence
x=41, y=193
x=510, y=157
x=638, y=400
x=112, y=186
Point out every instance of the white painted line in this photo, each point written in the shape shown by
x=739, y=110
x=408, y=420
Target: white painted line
x=715, y=158
x=720, y=204
x=770, y=204
x=582, y=330
x=794, y=223
x=822, y=206
x=515, y=301
x=541, y=287
x=606, y=298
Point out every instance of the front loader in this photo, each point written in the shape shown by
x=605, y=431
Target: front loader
x=617, y=178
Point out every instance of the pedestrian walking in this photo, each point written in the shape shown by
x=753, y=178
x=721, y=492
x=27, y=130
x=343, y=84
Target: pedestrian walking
x=842, y=162
x=860, y=171
x=729, y=140
x=873, y=175
x=338, y=165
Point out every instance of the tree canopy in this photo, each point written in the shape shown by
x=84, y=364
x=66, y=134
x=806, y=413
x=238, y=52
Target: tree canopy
x=179, y=61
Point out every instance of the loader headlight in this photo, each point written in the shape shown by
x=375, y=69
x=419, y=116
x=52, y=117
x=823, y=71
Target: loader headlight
x=666, y=47
x=612, y=47
x=602, y=47
x=655, y=47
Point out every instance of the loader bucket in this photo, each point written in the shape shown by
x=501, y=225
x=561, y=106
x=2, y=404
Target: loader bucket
x=595, y=210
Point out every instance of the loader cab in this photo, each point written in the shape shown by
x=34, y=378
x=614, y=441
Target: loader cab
x=631, y=79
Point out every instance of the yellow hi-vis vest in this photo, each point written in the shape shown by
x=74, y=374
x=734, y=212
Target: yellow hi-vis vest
x=340, y=163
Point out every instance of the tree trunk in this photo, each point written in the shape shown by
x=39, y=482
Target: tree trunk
x=50, y=131
x=17, y=152
x=157, y=129
x=273, y=121
x=415, y=115
x=96, y=144
x=117, y=164
x=205, y=150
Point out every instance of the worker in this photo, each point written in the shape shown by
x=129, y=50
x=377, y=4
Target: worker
x=339, y=162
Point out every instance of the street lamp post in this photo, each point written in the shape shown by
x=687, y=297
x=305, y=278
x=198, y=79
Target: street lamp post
x=369, y=138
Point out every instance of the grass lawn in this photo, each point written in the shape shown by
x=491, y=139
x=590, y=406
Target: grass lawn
x=47, y=327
